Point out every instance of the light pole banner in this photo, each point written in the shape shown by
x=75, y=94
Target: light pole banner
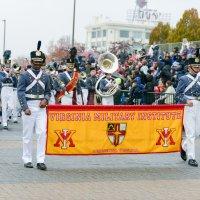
x=100, y=130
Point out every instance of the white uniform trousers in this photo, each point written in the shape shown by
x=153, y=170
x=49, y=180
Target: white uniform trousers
x=191, y=123
x=52, y=100
x=67, y=99
x=83, y=101
x=7, y=103
x=108, y=100
x=16, y=109
x=35, y=123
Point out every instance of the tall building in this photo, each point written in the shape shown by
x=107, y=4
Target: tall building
x=140, y=22
x=101, y=34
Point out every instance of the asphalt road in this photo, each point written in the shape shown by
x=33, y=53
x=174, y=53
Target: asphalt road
x=119, y=177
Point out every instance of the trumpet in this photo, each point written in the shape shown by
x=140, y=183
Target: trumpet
x=83, y=75
x=16, y=68
x=54, y=76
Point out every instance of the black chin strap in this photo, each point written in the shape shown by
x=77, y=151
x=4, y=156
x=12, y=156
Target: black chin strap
x=193, y=70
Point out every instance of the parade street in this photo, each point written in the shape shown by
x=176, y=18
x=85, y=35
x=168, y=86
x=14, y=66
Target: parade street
x=124, y=177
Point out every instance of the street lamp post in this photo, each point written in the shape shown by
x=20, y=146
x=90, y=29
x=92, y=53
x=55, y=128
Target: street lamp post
x=4, y=36
x=74, y=19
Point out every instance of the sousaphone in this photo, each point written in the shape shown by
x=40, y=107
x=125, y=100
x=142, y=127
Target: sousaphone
x=108, y=63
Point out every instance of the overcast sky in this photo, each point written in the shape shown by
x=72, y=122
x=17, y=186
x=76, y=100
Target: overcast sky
x=31, y=20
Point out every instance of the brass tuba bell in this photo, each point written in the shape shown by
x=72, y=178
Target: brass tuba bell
x=108, y=63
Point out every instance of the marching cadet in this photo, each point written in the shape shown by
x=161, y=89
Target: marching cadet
x=70, y=76
x=33, y=94
x=82, y=90
x=91, y=82
x=188, y=92
x=66, y=77
x=104, y=85
x=8, y=81
x=16, y=111
x=56, y=84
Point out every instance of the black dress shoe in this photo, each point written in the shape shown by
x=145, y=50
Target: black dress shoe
x=193, y=163
x=41, y=166
x=183, y=155
x=28, y=165
x=5, y=127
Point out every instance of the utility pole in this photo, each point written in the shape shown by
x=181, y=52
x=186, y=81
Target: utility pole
x=4, y=36
x=74, y=20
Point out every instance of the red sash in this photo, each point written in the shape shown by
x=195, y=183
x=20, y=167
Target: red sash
x=69, y=87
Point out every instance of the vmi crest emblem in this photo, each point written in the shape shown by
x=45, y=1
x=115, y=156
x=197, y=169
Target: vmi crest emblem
x=64, y=138
x=165, y=137
x=116, y=133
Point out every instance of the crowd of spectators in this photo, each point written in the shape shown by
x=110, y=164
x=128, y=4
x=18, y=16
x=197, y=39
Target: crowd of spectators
x=148, y=75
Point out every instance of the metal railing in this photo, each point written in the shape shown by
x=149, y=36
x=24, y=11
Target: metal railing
x=147, y=98
x=170, y=46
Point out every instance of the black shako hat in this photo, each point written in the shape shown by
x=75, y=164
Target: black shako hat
x=72, y=57
x=72, y=61
x=38, y=57
x=73, y=51
x=195, y=62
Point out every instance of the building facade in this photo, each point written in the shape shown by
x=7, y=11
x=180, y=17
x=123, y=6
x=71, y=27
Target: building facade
x=101, y=34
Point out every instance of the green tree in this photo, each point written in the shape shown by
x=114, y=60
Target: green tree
x=187, y=27
x=160, y=33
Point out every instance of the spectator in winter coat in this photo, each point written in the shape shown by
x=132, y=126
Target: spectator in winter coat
x=136, y=92
x=149, y=90
x=168, y=96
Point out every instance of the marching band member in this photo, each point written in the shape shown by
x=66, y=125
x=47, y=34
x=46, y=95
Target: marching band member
x=69, y=76
x=52, y=98
x=105, y=85
x=33, y=94
x=91, y=82
x=66, y=77
x=16, y=68
x=82, y=90
x=188, y=92
x=56, y=85
x=8, y=80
